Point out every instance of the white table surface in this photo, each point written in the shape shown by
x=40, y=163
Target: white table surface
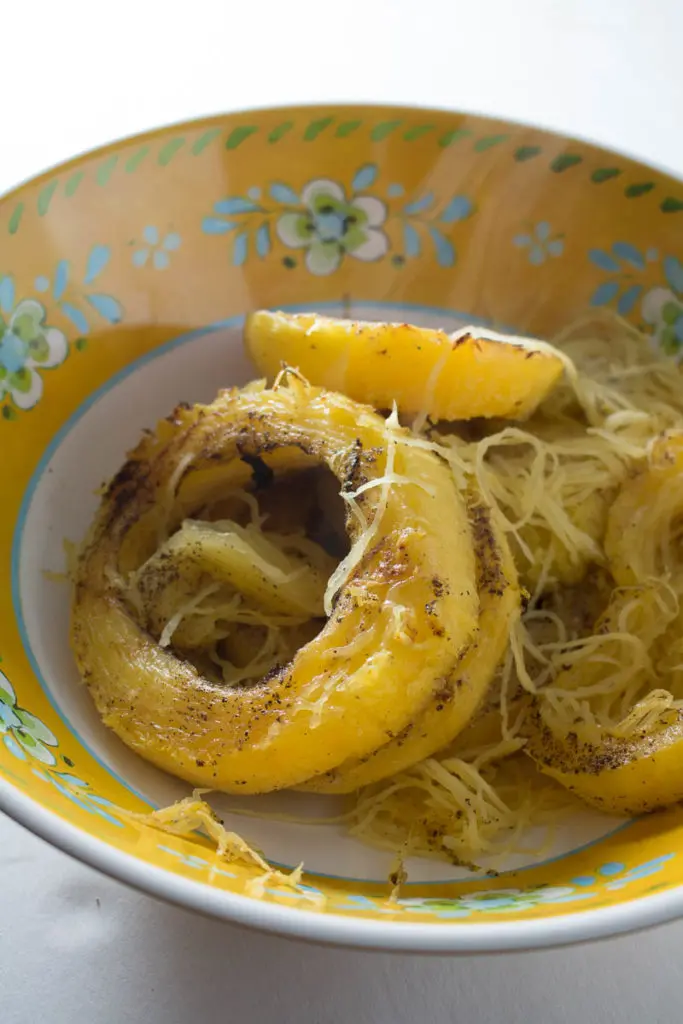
x=74, y=946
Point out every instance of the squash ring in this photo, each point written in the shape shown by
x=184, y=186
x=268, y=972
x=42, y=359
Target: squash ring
x=382, y=652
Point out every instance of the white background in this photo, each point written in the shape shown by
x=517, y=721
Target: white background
x=74, y=946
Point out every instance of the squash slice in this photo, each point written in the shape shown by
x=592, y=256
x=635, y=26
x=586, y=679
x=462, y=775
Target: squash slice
x=448, y=377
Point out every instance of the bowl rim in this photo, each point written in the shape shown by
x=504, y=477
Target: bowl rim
x=406, y=108
x=332, y=928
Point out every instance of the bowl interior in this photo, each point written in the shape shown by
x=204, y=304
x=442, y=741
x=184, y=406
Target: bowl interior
x=124, y=280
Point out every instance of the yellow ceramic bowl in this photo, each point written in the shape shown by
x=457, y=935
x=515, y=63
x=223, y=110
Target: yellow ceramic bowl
x=124, y=278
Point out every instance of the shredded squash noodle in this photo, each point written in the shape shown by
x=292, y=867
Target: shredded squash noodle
x=467, y=628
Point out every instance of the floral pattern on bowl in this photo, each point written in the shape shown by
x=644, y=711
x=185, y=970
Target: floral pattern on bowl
x=540, y=243
x=28, y=345
x=329, y=226
x=30, y=740
x=609, y=877
x=327, y=222
x=663, y=308
x=23, y=734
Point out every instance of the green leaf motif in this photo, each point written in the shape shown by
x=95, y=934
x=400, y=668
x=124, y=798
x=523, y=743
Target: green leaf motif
x=564, y=161
x=81, y=344
x=448, y=138
x=167, y=152
x=639, y=189
x=383, y=129
x=238, y=135
x=346, y=128
x=8, y=412
x=316, y=127
x=28, y=742
x=488, y=141
x=45, y=197
x=671, y=205
x=200, y=144
x=7, y=694
x=526, y=153
x=280, y=131
x=73, y=183
x=34, y=747
x=105, y=170
x=417, y=132
x=134, y=162
x=604, y=174
x=37, y=729
x=15, y=219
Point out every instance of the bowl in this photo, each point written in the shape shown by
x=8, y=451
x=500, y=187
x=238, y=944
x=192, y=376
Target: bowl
x=124, y=280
